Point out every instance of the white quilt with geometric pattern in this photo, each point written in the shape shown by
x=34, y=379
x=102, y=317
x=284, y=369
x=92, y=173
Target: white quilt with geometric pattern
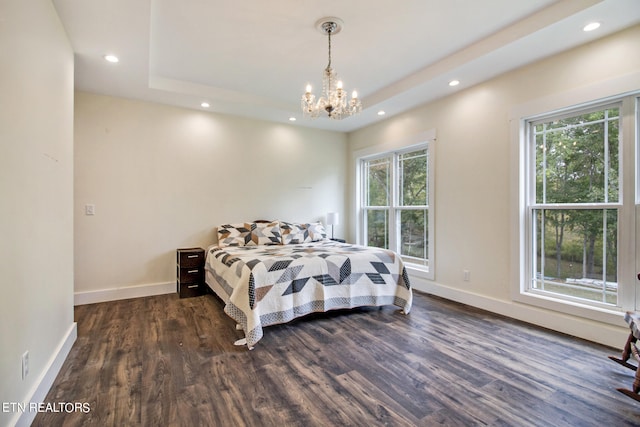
x=267, y=285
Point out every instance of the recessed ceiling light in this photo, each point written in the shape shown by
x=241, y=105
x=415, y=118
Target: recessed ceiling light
x=381, y=113
x=205, y=105
x=292, y=119
x=111, y=58
x=591, y=26
x=454, y=82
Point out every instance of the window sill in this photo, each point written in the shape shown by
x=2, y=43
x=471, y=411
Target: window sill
x=612, y=316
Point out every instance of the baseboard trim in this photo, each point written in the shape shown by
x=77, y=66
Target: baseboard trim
x=45, y=381
x=601, y=333
x=103, y=295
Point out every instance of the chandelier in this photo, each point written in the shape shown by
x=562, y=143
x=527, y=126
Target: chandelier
x=333, y=99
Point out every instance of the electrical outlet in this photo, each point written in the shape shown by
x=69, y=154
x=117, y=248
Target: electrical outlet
x=466, y=275
x=25, y=364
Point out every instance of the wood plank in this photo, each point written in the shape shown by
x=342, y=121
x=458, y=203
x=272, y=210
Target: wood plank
x=167, y=361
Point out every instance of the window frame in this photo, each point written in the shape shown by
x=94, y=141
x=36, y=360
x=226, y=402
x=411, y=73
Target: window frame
x=422, y=141
x=629, y=195
x=534, y=205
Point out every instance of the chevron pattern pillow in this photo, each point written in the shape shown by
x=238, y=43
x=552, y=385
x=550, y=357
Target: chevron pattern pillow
x=316, y=231
x=293, y=234
x=234, y=234
x=265, y=234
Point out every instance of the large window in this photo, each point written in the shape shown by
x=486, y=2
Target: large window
x=396, y=205
x=575, y=207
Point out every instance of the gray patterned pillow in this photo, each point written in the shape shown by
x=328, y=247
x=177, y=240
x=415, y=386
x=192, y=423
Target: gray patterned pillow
x=316, y=231
x=293, y=234
x=234, y=234
x=265, y=234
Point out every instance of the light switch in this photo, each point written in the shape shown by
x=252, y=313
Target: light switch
x=89, y=209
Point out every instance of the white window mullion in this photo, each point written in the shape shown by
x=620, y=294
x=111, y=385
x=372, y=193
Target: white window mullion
x=606, y=156
x=394, y=218
x=533, y=247
x=604, y=255
x=543, y=256
x=544, y=167
x=364, y=173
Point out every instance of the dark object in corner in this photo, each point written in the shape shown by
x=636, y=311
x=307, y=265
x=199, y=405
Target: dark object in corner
x=190, y=272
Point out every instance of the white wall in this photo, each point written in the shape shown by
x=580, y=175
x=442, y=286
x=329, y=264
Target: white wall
x=473, y=190
x=162, y=178
x=36, y=212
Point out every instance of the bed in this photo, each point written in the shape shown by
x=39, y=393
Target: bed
x=273, y=272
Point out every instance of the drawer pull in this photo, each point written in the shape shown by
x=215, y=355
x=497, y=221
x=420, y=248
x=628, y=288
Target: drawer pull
x=192, y=286
x=192, y=271
x=193, y=256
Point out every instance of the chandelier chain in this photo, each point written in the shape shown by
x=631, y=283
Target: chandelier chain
x=329, y=33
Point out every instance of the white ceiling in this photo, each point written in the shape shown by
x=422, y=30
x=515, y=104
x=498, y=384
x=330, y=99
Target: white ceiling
x=253, y=58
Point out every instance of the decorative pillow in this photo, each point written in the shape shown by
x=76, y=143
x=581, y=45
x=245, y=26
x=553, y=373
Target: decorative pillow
x=265, y=234
x=316, y=231
x=293, y=234
x=234, y=234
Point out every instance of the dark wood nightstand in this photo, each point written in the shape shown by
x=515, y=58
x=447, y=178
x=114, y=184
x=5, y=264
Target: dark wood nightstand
x=190, y=272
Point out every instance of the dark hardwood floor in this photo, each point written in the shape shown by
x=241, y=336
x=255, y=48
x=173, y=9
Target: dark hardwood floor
x=165, y=361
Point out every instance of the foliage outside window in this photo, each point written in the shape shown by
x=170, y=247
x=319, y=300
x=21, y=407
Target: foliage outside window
x=574, y=205
x=396, y=203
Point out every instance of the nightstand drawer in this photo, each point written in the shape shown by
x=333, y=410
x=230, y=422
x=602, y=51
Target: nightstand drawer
x=190, y=258
x=186, y=290
x=190, y=275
